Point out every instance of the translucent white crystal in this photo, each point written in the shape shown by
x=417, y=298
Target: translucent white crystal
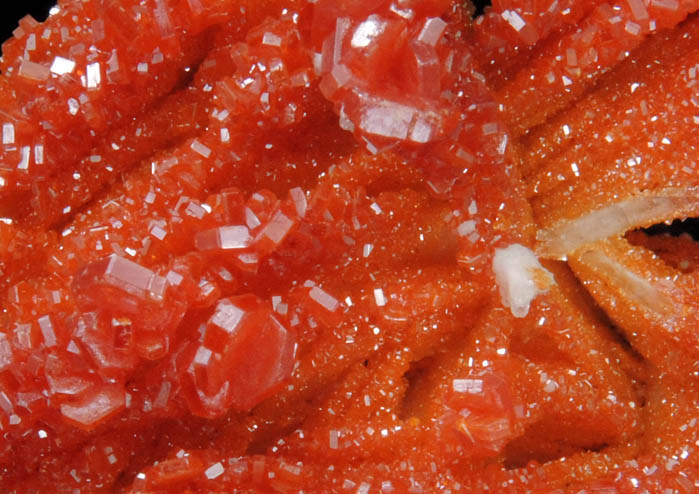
x=6, y=357
x=47, y=331
x=34, y=71
x=379, y=297
x=615, y=219
x=367, y=31
x=94, y=75
x=466, y=228
x=471, y=386
x=386, y=118
x=200, y=148
x=324, y=298
x=203, y=356
x=39, y=154
x=24, y=158
x=214, y=471
x=300, y=202
x=520, y=277
x=271, y=39
x=432, y=30
x=278, y=227
x=233, y=237
x=227, y=316
x=513, y=19
x=638, y=9
x=8, y=133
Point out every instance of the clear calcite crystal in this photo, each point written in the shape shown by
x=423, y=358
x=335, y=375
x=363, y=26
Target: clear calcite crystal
x=306, y=246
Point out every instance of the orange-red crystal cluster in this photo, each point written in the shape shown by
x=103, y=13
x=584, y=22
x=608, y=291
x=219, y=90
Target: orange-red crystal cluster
x=290, y=246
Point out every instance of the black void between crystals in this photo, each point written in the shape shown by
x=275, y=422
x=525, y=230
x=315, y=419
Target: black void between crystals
x=14, y=11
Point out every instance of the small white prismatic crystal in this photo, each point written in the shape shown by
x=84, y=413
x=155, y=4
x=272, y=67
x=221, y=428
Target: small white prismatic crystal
x=62, y=66
x=214, y=471
x=94, y=76
x=520, y=277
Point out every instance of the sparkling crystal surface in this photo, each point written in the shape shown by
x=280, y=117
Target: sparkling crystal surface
x=349, y=246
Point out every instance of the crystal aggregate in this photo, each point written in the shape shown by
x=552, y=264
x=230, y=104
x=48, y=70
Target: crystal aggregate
x=349, y=246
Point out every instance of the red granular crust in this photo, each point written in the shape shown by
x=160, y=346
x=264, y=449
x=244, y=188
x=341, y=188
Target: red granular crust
x=347, y=246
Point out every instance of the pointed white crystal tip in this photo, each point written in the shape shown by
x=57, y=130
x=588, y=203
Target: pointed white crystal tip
x=520, y=277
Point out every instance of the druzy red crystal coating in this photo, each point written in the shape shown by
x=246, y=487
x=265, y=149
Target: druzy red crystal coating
x=347, y=246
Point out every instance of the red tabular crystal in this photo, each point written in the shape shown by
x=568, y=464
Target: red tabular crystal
x=175, y=471
x=95, y=407
x=480, y=409
x=85, y=69
x=260, y=284
x=243, y=356
x=108, y=344
x=136, y=299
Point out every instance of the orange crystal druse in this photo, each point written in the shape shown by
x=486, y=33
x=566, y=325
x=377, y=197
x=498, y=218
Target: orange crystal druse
x=346, y=246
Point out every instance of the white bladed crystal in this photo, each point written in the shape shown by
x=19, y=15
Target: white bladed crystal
x=520, y=277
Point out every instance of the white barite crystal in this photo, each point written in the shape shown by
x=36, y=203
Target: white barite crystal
x=423, y=129
x=300, y=202
x=6, y=357
x=616, y=219
x=513, y=19
x=158, y=232
x=233, y=237
x=200, y=148
x=203, y=356
x=324, y=298
x=251, y=219
x=62, y=66
x=379, y=297
x=24, y=160
x=214, y=471
x=333, y=441
x=520, y=277
x=432, y=31
x=278, y=227
x=94, y=75
x=5, y=403
x=39, y=154
x=271, y=39
x=471, y=386
x=638, y=10
x=368, y=31
x=466, y=228
x=73, y=106
x=227, y=316
x=387, y=119
x=47, y=331
x=341, y=74
x=8, y=133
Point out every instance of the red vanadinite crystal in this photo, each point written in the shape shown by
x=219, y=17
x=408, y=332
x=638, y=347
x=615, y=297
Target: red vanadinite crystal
x=349, y=246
